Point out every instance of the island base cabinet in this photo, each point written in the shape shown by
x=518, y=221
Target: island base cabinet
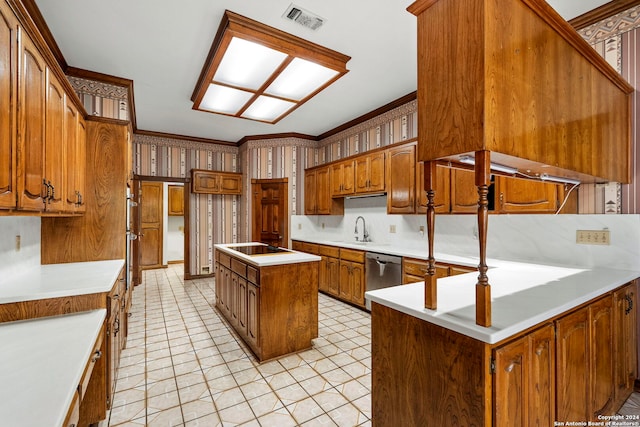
x=524, y=380
x=273, y=308
x=625, y=342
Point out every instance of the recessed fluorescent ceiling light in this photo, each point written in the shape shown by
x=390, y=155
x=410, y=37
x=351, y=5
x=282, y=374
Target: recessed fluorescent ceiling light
x=257, y=72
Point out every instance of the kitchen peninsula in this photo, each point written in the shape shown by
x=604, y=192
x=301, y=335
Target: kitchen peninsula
x=269, y=295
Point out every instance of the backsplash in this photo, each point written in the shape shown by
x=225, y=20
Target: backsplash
x=547, y=239
x=15, y=261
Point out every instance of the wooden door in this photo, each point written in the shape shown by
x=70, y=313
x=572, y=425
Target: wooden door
x=521, y=195
x=270, y=211
x=54, y=150
x=572, y=366
x=31, y=122
x=8, y=99
x=401, y=177
x=151, y=224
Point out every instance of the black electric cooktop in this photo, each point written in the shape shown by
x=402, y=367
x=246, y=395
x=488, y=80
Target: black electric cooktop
x=258, y=249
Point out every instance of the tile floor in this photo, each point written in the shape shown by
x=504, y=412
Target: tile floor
x=184, y=367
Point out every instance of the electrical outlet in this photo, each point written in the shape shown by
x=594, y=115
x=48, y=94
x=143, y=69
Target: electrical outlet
x=299, y=226
x=18, y=243
x=392, y=229
x=421, y=230
x=323, y=225
x=593, y=237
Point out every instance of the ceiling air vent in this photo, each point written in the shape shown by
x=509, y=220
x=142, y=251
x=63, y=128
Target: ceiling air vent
x=303, y=17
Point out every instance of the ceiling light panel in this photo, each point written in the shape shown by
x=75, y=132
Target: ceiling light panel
x=258, y=72
x=300, y=79
x=247, y=64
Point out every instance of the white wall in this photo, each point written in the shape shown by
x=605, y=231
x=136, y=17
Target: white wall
x=548, y=239
x=15, y=261
x=173, y=231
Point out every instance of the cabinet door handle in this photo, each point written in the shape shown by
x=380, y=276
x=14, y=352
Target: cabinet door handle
x=630, y=304
x=511, y=365
x=97, y=355
x=116, y=296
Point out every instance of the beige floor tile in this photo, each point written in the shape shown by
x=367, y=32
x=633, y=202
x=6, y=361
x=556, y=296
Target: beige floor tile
x=228, y=398
x=237, y=414
x=171, y=417
x=128, y=396
x=265, y=404
x=130, y=412
x=162, y=402
x=255, y=389
x=278, y=381
x=304, y=410
x=194, y=392
x=280, y=418
x=199, y=408
x=133, y=423
x=125, y=382
x=291, y=394
x=161, y=387
x=330, y=400
x=347, y=415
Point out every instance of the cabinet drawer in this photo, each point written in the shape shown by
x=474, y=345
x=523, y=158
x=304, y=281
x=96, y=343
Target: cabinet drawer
x=239, y=267
x=352, y=255
x=330, y=251
x=415, y=267
x=253, y=275
x=224, y=259
x=459, y=269
x=96, y=354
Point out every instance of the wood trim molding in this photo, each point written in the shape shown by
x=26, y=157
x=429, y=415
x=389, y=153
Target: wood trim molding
x=603, y=12
x=370, y=115
x=249, y=138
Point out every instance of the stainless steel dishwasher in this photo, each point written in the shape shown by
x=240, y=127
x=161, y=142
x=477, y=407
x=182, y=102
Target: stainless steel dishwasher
x=382, y=271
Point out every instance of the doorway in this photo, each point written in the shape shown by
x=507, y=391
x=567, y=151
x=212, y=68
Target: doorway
x=270, y=214
x=160, y=220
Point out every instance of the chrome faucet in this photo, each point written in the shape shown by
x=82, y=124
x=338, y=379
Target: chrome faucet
x=365, y=235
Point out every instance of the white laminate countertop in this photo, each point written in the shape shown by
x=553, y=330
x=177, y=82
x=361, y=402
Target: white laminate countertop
x=60, y=280
x=41, y=364
x=289, y=257
x=522, y=294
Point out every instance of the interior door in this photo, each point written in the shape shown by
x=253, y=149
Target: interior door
x=270, y=214
x=150, y=224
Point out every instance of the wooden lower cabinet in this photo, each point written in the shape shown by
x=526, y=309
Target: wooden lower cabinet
x=273, y=308
x=524, y=380
x=352, y=282
x=574, y=367
x=625, y=341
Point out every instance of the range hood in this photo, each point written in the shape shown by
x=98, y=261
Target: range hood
x=512, y=77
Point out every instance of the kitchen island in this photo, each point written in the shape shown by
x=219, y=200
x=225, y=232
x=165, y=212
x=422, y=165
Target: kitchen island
x=562, y=347
x=269, y=295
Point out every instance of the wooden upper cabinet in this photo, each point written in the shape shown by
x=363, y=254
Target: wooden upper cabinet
x=71, y=155
x=8, y=99
x=464, y=193
x=323, y=196
x=442, y=199
x=54, y=140
x=176, y=200
x=80, y=178
x=401, y=180
x=214, y=182
x=317, y=193
x=31, y=122
x=522, y=195
x=370, y=173
x=342, y=178
x=310, y=205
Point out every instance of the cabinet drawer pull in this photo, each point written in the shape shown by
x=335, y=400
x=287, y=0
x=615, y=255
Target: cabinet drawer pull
x=116, y=296
x=97, y=355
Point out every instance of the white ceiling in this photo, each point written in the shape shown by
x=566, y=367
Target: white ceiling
x=161, y=45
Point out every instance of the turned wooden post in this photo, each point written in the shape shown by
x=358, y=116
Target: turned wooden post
x=483, y=289
x=430, y=289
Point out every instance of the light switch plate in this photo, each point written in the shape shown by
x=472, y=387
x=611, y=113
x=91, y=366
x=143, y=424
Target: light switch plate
x=593, y=237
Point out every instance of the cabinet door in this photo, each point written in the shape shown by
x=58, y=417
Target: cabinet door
x=176, y=200
x=8, y=99
x=442, y=199
x=323, y=196
x=242, y=306
x=401, y=180
x=345, y=291
x=253, y=317
x=230, y=183
x=601, y=381
x=572, y=366
x=31, y=123
x=310, y=192
x=357, y=283
x=333, y=279
x=511, y=384
x=464, y=193
x=233, y=299
x=542, y=377
x=625, y=342
x=72, y=158
x=348, y=177
x=54, y=149
x=205, y=182
x=336, y=179
x=377, y=172
x=521, y=195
